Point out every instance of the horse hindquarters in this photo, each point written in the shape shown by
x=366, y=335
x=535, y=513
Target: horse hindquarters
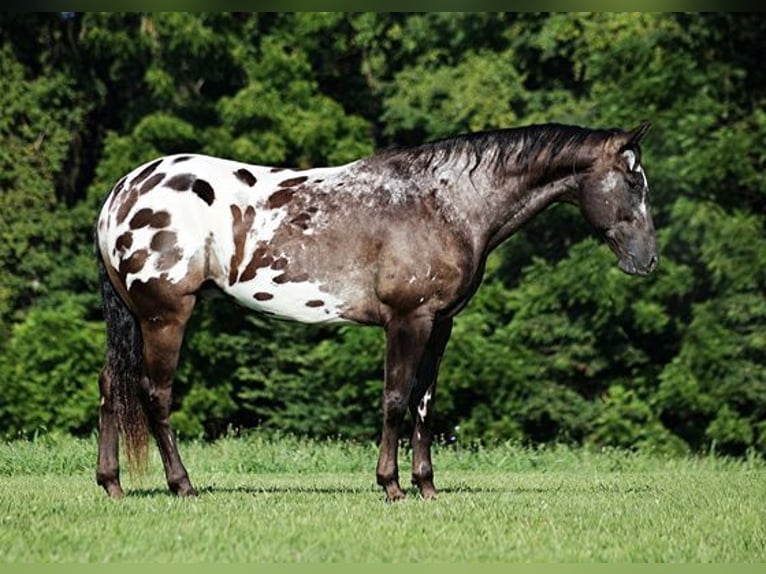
x=136, y=384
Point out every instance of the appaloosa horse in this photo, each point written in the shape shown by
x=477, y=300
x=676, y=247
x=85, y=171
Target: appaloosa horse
x=398, y=239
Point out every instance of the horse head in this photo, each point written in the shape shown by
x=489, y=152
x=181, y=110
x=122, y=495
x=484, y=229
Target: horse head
x=614, y=198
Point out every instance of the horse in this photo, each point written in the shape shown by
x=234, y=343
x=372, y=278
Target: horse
x=398, y=239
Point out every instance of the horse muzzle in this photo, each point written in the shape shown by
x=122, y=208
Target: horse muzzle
x=636, y=252
x=631, y=266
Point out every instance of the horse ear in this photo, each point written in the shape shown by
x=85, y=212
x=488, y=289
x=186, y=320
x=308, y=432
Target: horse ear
x=635, y=135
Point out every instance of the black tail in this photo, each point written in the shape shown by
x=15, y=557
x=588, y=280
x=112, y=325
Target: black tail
x=124, y=355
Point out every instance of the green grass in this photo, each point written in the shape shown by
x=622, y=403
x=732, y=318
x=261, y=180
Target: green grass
x=286, y=499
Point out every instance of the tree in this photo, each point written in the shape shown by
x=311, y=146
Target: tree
x=47, y=369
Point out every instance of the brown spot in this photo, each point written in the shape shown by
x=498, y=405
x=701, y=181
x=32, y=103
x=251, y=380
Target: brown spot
x=260, y=258
x=133, y=264
x=151, y=182
x=239, y=243
x=245, y=177
x=241, y=224
x=147, y=218
x=293, y=181
x=146, y=172
x=314, y=303
x=124, y=241
x=117, y=190
x=287, y=278
x=263, y=296
x=161, y=219
x=301, y=220
x=181, y=158
x=165, y=242
x=204, y=191
x=180, y=182
x=277, y=169
x=279, y=264
x=126, y=205
x=141, y=218
x=280, y=198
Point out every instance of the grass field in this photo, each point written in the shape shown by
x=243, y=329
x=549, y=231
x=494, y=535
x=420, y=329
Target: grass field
x=289, y=500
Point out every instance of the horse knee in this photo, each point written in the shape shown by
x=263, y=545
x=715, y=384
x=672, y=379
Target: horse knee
x=395, y=404
x=157, y=399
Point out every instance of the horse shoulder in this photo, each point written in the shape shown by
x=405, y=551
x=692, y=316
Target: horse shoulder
x=423, y=265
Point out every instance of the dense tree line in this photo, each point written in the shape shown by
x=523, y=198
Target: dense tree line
x=557, y=345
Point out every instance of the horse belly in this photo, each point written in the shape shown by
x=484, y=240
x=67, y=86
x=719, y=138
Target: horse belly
x=304, y=301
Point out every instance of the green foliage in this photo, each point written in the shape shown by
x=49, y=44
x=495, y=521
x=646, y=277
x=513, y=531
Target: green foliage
x=476, y=94
x=49, y=369
x=713, y=390
x=626, y=421
x=39, y=116
x=556, y=346
x=280, y=116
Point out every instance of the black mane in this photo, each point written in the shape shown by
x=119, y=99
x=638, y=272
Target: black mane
x=499, y=150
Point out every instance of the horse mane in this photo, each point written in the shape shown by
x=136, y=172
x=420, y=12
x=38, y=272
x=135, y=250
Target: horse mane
x=502, y=152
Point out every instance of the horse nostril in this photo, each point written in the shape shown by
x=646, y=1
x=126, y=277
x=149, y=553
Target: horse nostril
x=653, y=262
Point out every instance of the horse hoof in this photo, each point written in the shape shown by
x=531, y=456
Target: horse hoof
x=428, y=493
x=184, y=492
x=111, y=486
x=114, y=491
x=184, y=489
x=393, y=492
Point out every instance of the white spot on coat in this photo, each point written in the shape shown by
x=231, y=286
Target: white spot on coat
x=609, y=181
x=423, y=406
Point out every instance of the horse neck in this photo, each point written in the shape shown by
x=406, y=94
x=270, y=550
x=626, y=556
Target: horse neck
x=507, y=202
x=514, y=209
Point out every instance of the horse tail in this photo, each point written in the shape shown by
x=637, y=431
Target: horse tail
x=124, y=357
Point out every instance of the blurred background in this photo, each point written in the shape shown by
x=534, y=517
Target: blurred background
x=558, y=346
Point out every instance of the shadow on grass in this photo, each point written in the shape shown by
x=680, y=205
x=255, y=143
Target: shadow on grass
x=598, y=488
x=254, y=490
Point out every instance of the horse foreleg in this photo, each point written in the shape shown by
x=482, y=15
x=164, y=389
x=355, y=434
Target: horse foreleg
x=162, y=344
x=406, y=339
x=108, y=469
x=421, y=408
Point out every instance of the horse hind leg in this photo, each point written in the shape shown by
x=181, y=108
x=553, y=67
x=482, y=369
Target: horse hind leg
x=108, y=469
x=162, y=335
